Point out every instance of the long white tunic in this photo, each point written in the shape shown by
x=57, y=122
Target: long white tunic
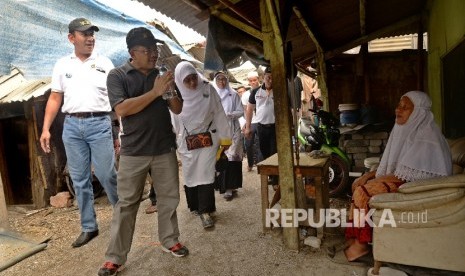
x=233, y=108
x=199, y=165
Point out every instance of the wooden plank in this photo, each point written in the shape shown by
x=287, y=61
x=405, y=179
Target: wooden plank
x=3, y=210
x=36, y=168
x=265, y=199
x=42, y=172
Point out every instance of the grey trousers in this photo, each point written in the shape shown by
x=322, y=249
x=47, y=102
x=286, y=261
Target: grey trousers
x=132, y=173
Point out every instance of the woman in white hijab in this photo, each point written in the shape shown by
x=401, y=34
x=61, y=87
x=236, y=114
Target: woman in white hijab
x=416, y=149
x=202, y=111
x=231, y=179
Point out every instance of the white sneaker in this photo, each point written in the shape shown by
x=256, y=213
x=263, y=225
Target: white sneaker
x=228, y=195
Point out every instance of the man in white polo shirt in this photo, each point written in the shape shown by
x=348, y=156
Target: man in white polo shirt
x=252, y=146
x=79, y=81
x=262, y=101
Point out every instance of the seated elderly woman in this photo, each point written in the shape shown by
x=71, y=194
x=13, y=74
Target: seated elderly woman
x=416, y=149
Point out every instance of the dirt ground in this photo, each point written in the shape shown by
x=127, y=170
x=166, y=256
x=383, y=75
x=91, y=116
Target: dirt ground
x=236, y=245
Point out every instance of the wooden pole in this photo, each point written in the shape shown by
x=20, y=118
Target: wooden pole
x=274, y=51
x=3, y=210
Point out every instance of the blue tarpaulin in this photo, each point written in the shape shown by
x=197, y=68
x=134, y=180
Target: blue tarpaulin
x=34, y=34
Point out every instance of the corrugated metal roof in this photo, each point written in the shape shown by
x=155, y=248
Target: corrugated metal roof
x=396, y=43
x=198, y=53
x=183, y=12
x=15, y=88
x=336, y=24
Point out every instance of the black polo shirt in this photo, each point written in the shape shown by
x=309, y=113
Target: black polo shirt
x=150, y=131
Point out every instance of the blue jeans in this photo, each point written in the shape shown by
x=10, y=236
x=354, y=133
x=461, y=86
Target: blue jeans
x=89, y=140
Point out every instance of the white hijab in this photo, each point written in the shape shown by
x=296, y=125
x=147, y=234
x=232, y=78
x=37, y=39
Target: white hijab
x=416, y=149
x=224, y=93
x=193, y=103
x=230, y=100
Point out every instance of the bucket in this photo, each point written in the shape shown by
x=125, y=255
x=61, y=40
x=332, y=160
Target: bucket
x=371, y=163
x=350, y=114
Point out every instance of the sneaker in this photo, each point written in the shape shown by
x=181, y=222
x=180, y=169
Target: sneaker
x=151, y=209
x=109, y=269
x=207, y=221
x=228, y=195
x=178, y=250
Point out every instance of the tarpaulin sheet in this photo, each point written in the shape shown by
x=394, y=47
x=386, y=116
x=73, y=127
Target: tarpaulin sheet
x=34, y=34
x=14, y=248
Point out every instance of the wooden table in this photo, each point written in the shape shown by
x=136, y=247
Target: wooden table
x=308, y=167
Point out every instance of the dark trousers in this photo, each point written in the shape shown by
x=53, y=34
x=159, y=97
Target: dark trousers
x=201, y=198
x=153, y=196
x=267, y=137
x=252, y=147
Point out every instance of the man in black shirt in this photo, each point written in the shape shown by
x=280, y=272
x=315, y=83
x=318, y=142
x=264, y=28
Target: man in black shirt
x=148, y=144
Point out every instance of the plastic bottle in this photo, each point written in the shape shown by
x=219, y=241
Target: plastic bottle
x=170, y=93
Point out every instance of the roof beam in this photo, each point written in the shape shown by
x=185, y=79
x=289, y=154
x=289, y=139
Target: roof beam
x=231, y=6
x=307, y=28
x=374, y=35
x=362, y=8
x=322, y=76
x=238, y=24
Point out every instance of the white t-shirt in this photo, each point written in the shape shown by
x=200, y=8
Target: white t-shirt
x=264, y=106
x=245, y=100
x=83, y=83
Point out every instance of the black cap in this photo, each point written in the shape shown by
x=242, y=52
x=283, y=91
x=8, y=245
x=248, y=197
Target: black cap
x=82, y=25
x=141, y=36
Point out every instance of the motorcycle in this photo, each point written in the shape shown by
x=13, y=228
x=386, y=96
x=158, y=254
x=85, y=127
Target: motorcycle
x=324, y=136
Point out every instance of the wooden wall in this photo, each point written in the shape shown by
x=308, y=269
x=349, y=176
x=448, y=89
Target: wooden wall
x=29, y=175
x=385, y=76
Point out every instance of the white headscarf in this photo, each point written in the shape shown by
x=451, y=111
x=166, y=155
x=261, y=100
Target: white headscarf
x=192, y=105
x=416, y=149
x=223, y=92
x=230, y=100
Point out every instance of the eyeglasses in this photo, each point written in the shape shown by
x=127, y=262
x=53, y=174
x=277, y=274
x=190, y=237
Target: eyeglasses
x=221, y=79
x=148, y=52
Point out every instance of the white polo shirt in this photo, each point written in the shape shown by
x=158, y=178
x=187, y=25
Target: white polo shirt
x=83, y=83
x=245, y=100
x=264, y=106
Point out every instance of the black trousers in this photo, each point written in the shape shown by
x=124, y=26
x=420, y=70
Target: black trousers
x=201, y=198
x=267, y=138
